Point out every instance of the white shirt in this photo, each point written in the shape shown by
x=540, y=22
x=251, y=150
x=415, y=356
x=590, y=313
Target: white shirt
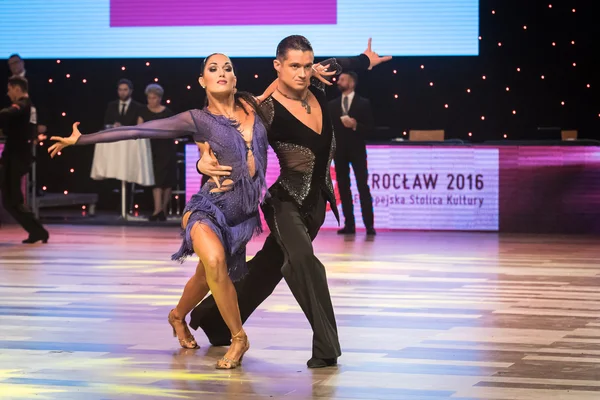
x=350, y=97
x=33, y=116
x=127, y=103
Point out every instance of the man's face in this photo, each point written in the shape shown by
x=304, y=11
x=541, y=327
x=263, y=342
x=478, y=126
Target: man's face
x=16, y=65
x=124, y=92
x=345, y=82
x=295, y=70
x=13, y=93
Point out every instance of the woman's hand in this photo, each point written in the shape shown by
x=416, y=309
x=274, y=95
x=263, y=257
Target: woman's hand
x=62, y=142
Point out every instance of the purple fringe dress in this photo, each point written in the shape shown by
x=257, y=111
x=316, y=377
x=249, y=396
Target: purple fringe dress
x=232, y=214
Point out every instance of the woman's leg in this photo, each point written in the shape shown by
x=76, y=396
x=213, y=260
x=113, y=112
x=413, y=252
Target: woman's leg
x=166, y=199
x=212, y=255
x=194, y=291
x=157, y=194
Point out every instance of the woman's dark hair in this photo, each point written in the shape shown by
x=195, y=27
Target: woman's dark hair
x=248, y=98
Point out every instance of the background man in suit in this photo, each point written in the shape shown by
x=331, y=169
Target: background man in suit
x=17, y=68
x=125, y=111
x=17, y=158
x=127, y=161
x=352, y=123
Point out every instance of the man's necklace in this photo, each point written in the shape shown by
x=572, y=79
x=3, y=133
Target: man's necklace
x=303, y=101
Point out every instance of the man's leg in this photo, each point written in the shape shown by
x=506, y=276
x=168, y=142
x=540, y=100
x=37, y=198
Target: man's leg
x=11, y=173
x=264, y=275
x=305, y=275
x=359, y=165
x=342, y=175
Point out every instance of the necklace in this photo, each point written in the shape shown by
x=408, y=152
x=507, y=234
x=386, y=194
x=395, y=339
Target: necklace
x=233, y=118
x=238, y=123
x=303, y=101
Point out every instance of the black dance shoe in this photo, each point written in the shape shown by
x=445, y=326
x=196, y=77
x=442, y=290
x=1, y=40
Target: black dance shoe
x=347, y=230
x=321, y=362
x=219, y=341
x=158, y=217
x=32, y=239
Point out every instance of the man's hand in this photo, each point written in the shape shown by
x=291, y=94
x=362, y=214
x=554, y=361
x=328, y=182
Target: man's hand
x=374, y=58
x=349, y=123
x=209, y=165
x=321, y=72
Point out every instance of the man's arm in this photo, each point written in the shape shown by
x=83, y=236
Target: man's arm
x=365, y=124
x=356, y=63
x=40, y=119
x=108, y=117
x=361, y=120
x=367, y=60
x=14, y=111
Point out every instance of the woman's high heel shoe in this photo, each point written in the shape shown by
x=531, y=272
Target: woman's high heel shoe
x=226, y=363
x=189, y=342
x=161, y=216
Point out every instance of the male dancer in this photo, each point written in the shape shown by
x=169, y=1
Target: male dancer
x=301, y=134
x=17, y=157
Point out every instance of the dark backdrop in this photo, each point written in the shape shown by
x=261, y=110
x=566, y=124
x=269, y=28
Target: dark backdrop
x=558, y=35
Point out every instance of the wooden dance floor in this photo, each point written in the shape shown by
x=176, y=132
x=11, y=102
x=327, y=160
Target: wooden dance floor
x=422, y=316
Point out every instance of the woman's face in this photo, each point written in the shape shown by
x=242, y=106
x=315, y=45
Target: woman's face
x=218, y=77
x=153, y=100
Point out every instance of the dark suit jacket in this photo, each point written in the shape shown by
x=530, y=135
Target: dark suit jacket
x=14, y=122
x=38, y=96
x=347, y=139
x=113, y=113
x=37, y=93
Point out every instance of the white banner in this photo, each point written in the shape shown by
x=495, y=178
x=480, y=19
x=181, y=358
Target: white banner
x=429, y=188
x=423, y=188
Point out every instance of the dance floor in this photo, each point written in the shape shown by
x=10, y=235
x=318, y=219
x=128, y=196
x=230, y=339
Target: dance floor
x=421, y=315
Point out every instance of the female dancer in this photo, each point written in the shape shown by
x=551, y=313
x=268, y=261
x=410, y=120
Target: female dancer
x=222, y=217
